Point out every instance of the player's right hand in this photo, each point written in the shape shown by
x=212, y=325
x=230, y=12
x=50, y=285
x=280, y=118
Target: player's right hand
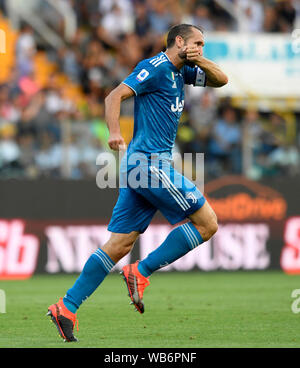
x=116, y=142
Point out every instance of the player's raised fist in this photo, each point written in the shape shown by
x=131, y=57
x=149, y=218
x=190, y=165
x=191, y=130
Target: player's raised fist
x=116, y=142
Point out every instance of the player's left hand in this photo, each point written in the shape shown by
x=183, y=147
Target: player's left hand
x=193, y=54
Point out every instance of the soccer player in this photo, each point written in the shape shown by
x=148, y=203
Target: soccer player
x=157, y=85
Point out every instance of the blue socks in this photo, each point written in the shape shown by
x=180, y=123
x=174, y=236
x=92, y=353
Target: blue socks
x=179, y=242
x=94, y=271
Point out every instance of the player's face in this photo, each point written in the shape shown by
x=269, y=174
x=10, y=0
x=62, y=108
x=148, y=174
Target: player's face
x=195, y=41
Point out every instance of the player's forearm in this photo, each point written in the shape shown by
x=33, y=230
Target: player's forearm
x=215, y=77
x=112, y=112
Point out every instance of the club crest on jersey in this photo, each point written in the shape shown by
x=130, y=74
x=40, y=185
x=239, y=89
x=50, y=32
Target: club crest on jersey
x=191, y=196
x=178, y=107
x=143, y=74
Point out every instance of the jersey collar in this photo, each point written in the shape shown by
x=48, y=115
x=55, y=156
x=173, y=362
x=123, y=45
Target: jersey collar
x=173, y=66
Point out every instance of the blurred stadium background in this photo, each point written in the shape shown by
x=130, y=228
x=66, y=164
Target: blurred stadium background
x=58, y=61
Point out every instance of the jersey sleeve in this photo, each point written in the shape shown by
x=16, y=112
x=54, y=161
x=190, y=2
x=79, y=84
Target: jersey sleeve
x=195, y=76
x=143, y=79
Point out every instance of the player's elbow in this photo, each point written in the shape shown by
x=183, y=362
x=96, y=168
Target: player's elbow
x=107, y=99
x=222, y=80
x=119, y=94
x=110, y=97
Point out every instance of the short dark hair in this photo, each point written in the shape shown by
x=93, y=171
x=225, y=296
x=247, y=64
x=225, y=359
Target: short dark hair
x=183, y=30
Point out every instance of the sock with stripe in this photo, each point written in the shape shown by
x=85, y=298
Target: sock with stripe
x=180, y=241
x=94, y=271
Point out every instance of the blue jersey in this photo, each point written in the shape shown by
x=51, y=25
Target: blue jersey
x=159, y=101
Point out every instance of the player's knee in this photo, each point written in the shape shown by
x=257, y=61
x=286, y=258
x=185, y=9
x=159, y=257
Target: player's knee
x=122, y=245
x=208, y=230
x=120, y=249
x=206, y=222
x=212, y=228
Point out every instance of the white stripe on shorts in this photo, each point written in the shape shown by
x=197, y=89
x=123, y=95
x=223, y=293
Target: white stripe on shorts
x=175, y=189
x=171, y=188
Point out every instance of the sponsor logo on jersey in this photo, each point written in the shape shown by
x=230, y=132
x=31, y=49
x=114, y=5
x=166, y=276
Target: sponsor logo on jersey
x=179, y=105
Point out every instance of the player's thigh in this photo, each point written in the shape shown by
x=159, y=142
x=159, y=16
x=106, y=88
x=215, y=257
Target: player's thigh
x=132, y=213
x=175, y=196
x=205, y=220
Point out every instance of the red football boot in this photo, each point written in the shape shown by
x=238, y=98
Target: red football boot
x=136, y=284
x=64, y=320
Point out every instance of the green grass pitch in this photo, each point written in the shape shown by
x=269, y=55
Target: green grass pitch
x=182, y=310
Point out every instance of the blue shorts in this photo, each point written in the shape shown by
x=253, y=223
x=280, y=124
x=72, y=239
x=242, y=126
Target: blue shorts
x=151, y=187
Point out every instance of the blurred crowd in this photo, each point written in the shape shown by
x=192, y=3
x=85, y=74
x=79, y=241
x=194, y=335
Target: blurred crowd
x=234, y=140
x=43, y=133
